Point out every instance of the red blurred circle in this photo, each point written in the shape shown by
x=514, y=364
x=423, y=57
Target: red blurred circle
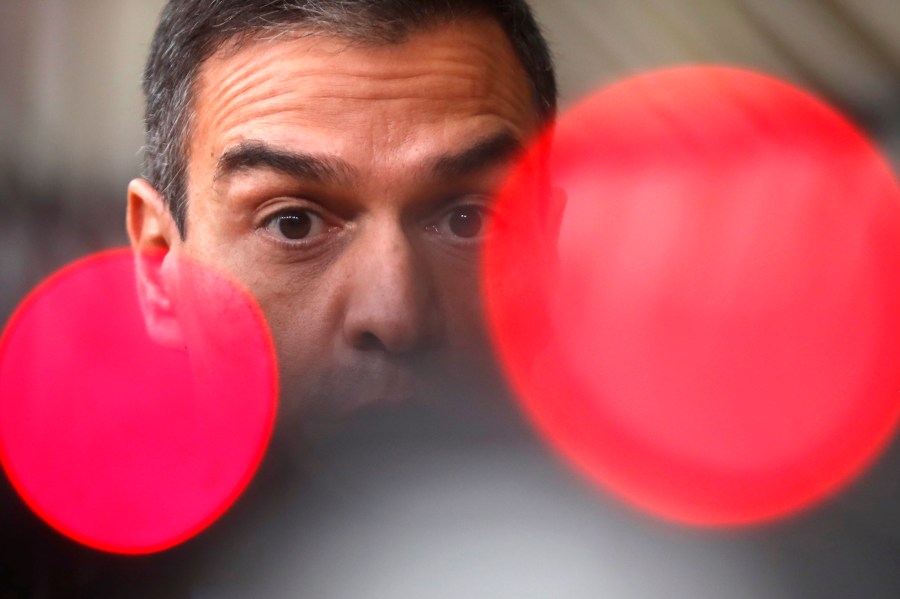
x=717, y=340
x=115, y=440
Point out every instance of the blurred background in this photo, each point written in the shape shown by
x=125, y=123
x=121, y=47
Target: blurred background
x=70, y=139
x=70, y=101
x=71, y=107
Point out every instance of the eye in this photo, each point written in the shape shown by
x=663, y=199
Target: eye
x=463, y=222
x=295, y=225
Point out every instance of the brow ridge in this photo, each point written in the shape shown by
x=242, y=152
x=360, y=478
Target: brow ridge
x=257, y=154
x=485, y=153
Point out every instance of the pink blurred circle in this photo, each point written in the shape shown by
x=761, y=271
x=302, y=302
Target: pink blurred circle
x=717, y=340
x=119, y=442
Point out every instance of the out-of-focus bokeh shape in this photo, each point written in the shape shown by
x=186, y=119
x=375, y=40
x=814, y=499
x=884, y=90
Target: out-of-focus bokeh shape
x=723, y=341
x=116, y=440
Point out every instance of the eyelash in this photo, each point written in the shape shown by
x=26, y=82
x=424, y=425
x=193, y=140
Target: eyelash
x=441, y=225
x=319, y=226
x=481, y=203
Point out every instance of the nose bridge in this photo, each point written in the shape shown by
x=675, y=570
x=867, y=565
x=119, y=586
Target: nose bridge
x=390, y=303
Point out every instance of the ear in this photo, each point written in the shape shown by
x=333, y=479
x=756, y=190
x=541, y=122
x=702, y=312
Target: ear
x=152, y=232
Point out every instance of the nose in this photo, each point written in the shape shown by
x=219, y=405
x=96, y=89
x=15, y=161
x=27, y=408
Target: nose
x=390, y=303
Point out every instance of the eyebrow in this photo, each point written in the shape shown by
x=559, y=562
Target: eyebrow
x=256, y=154
x=488, y=152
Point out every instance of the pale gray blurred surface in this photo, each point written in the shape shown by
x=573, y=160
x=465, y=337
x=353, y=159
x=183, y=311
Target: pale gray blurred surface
x=494, y=518
x=484, y=519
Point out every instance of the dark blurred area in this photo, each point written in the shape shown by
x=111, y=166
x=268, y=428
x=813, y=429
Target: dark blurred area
x=423, y=504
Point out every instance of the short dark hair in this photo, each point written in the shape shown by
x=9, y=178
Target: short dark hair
x=190, y=31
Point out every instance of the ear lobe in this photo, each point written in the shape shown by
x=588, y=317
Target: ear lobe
x=155, y=298
x=151, y=230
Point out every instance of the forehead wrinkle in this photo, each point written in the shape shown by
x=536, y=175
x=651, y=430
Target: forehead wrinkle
x=240, y=88
x=438, y=81
x=297, y=86
x=332, y=103
x=456, y=61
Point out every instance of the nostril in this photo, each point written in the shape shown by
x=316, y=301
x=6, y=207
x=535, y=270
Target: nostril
x=369, y=341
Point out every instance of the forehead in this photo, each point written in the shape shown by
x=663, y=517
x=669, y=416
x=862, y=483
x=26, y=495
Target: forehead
x=454, y=78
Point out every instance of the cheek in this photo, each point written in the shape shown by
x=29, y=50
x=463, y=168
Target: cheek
x=303, y=317
x=462, y=307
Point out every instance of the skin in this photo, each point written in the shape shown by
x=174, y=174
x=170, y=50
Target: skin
x=379, y=301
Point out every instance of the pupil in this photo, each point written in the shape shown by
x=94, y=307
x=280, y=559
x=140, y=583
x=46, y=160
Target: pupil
x=295, y=226
x=466, y=222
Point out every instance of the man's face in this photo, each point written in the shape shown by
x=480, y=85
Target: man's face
x=347, y=186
